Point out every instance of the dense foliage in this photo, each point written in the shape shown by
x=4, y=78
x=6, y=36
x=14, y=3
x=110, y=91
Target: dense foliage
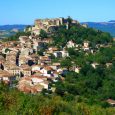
x=13, y=102
x=94, y=84
x=78, y=34
x=43, y=34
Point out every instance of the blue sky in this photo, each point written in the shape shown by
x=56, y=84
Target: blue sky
x=26, y=11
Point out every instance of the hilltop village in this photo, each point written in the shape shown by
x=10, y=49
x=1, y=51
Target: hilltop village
x=57, y=67
x=20, y=62
x=30, y=65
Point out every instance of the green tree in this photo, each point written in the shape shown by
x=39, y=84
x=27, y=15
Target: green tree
x=43, y=34
x=66, y=63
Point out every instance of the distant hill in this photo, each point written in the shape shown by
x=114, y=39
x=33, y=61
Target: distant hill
x=8, y=30
x=104, y=26
x=10, y=27
x=112, y=21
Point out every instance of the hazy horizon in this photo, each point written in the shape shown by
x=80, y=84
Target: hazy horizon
x=54, y=17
